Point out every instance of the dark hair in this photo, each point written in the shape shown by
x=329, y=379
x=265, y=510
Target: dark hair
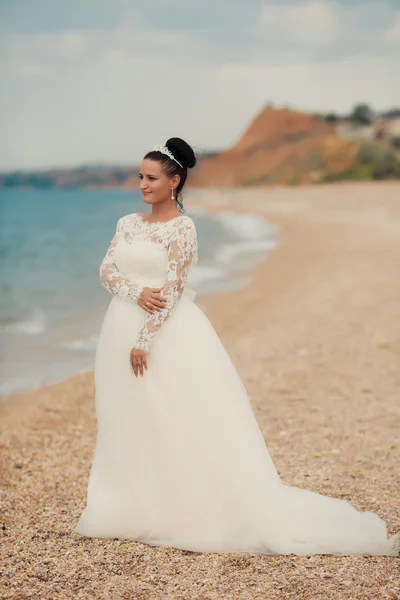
x=184, y=154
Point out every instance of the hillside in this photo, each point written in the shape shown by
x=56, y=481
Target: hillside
x=279, y=146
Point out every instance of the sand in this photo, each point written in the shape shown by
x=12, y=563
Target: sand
x=316, y=338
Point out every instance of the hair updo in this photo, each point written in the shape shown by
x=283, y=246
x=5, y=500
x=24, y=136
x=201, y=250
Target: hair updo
x=186, y=156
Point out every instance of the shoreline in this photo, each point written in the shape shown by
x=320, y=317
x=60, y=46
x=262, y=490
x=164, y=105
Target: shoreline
x=65, y=347
x=313, y=338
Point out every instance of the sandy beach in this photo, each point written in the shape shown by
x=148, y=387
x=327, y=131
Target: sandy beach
x=315, y=336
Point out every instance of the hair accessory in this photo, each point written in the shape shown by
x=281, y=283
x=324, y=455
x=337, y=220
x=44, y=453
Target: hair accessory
x=164, y=150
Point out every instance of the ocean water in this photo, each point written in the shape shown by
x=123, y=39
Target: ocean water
x=52, y=304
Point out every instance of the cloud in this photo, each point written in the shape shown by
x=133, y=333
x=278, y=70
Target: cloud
x=322, y=30
x=309, y=23
x=318, y=86
x=392, y=34
x=110, y=83
x=47, y=16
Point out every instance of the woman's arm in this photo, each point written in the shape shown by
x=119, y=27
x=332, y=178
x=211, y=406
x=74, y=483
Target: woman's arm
x=182, y=253
x=112, y=278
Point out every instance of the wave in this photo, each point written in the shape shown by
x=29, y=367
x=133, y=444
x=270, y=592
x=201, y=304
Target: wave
x=89, y=343
x=204, y=274
x=228, y=252
x=246, y=225
x=59, y=373
x=35, y=324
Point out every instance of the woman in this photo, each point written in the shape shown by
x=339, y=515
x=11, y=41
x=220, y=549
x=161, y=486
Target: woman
x=180, y=460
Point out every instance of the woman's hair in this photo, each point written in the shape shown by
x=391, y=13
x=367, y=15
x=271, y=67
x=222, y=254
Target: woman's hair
x=184, y=154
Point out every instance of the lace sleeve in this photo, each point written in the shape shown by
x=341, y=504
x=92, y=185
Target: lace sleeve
x=112, y=278
x=182, y=253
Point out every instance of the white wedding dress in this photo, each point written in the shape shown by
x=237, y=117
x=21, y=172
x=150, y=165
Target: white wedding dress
x=180, y=460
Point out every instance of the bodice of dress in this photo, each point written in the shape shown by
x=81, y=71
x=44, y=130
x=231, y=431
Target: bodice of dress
x=143, y=254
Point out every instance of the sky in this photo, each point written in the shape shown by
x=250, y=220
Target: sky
x=103, y=81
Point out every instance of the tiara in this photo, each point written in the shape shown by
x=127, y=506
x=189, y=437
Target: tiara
x=164, y=150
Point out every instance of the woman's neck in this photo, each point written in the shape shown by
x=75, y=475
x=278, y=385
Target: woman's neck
x=165, y=212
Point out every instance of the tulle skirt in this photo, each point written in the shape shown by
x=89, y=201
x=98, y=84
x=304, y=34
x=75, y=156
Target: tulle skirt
x=180, y=460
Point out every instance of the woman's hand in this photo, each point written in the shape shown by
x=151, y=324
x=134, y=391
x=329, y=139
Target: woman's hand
x=150, y=300
x=138, y=361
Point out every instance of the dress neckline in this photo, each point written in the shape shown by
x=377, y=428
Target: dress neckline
x=158, y=222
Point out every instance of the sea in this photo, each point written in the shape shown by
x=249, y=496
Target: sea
x=52, y=242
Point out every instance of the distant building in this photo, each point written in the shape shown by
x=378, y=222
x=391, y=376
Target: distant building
x=393, y=132
x=350, y=130
x=382, y=128
x=388, y=128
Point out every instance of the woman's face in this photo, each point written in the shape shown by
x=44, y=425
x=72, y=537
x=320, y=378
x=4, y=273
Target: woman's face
x=155, y=185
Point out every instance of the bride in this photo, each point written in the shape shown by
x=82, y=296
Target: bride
x=180, y=460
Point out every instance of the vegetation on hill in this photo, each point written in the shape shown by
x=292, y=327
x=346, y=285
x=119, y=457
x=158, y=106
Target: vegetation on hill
x=373, y=161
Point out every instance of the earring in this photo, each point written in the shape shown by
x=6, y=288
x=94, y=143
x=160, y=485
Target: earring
x=172, y=194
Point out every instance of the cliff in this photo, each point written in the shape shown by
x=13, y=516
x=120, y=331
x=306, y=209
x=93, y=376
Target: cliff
x=279, y=146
